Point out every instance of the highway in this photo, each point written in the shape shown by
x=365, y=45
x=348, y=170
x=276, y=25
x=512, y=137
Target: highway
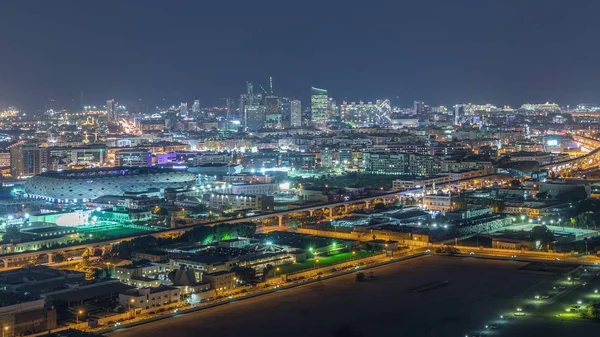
x=23, y=257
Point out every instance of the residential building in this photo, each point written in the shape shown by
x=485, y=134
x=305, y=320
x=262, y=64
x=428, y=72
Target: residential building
x=295, y=114
x=319, y=102
x=401, y=163
x=28, y=160
x=147, y=298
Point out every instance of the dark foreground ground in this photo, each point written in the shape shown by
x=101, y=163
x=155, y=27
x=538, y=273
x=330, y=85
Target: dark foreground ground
x=478, y=292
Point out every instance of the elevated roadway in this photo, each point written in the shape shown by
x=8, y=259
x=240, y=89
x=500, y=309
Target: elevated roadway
x=21, y=258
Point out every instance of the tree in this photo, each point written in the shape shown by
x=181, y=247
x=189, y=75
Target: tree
x=266, y=271
x=584, y=220
x=12, y=233
x=515, y=183
x=142, y=262
x=576, y=194
x=542, y=234
x=244, y=274
x=379, y=207
x=360, y=277
x=99, y=274
x=59, y=257
x=110, y=272
x=86, y=255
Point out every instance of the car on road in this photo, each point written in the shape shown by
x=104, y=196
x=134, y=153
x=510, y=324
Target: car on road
x=520, y=314
x=545, y=297
x=561, y=287
x=161, y=310
x=472, y=253
x=492, y=326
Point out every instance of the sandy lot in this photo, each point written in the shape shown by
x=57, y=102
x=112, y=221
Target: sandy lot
x=478, y=291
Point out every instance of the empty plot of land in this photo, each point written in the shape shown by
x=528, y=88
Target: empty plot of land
x=474, y=292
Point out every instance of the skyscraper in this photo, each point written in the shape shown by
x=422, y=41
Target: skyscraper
x=255, y=117
x=295, y=113
x=28, y=160
x=273, y=113
x=112, y=111
x=183, y=110
x=459, y=111
x=319, y=104
x=251, y=109
x=418, y=108
x=196, y=106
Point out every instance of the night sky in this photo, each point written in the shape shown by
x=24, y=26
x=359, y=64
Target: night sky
x=439, y=51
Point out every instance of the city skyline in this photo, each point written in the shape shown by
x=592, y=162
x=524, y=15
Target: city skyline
x=356, y=51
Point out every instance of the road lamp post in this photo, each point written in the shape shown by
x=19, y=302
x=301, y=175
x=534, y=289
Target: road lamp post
x=130, y=302
x=79, y=312
x=5, y=330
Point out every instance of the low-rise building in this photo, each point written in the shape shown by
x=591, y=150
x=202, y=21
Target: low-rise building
x=512, y=243
x=122, y=214
x=220, y=281
x=419, y=182
x=22, y=315
x=234, y=201
x=556, y=187
x=147, y=298
x=468, y=213
x=439, y=202
x=145, y=274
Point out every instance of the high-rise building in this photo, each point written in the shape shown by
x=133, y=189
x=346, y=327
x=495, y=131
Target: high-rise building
x=295, y=113
x=273, y=113
x=254, y=117
x=251, y=109
x=196, y=106
x=418, y=108
x=28, y=160
x=319, y=104
x=112, y=111
x=229, y=108
x=459, y=111
x=183, y=110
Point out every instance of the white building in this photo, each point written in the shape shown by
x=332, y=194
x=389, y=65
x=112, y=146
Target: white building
x=147, y=298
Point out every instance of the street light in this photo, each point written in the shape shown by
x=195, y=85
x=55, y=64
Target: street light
x=79, y=312
x=130, y=303
x=5, y=329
